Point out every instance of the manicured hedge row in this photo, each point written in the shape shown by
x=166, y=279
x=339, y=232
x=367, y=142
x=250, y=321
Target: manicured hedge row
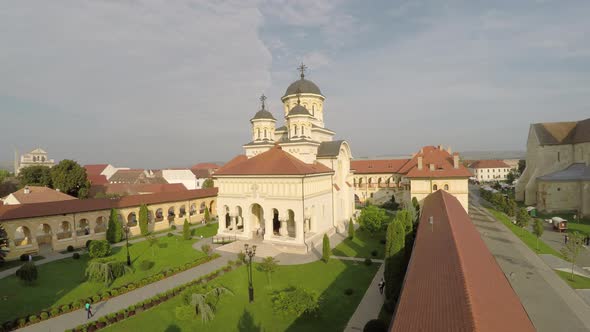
x=132, y=310
x=56, y=311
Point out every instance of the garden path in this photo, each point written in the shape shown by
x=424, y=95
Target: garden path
x=370, y=305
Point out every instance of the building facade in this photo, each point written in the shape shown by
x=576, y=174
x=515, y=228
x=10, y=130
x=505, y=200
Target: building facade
x=37, y=157
x=557, y=173
x=293, y=184
x=490, y=170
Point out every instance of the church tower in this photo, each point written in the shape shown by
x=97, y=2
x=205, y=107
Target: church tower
x=263, y=130
x=307, y=94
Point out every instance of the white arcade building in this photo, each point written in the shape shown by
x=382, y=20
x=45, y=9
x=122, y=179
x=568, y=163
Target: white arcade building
x=294, y=183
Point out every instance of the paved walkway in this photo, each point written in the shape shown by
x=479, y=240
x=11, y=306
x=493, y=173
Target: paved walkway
x=370, y=305
x=556, y=241
x=55, y=255
x=550, y=303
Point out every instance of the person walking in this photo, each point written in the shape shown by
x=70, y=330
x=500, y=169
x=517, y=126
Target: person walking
x=565, y=238
x=88, y=310
x=381, y=286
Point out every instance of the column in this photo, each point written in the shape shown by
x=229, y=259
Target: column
x=283, y=230
x=267, y=223
x=299, y=229
x=233, y=222
x=221, y=222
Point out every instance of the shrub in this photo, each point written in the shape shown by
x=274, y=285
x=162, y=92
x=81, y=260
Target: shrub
x=173, y=227
x=242, y=257
x=368, y=261
x=99, y=249
x=375, y=325
x=33, y=319
x=114, y=292
x=24, y=258
x=70, y=248
x=22, y=322
x=65, y=308
x=27, y=272
x=146, y=265
x=382, y=241
x=170, y=234
x=143, y=219
x=54, y=312
x=295, y=301
x=372, y=218
x=76, y=255
x=326, y=249
x=186, y=230
x=131, y=286
x=95, y=299
x=350, y=229
x=348, y=291
x=106, y=270
x=88, y=244
x=374, y=252
x=44, y=315
x=206, y=249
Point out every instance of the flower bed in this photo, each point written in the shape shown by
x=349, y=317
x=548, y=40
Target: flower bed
x=75, y=305
x=132, y=310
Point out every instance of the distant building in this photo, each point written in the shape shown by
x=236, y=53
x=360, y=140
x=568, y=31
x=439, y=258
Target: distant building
x=125, y=189
x=200, y=176
x=183, y=176
x=35, y=194
x=490, y=170
x=557, y=174
x=453, y=283
x=101, y=172
x=136, y=176
x=37, y=157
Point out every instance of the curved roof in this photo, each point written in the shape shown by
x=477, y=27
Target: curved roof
x=302, y=86
x=263, y=114
x=299, y=110
x=329, y=149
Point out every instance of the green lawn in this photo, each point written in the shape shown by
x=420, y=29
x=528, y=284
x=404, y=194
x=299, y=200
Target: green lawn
x=62, y=282
x=582, y=226
x=578, y=282
x=361, y=245
x=527, y=237
x=10, y=264
x=206, y=231
x=234, y=313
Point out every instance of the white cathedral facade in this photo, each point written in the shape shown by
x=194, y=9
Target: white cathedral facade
x=294, y=183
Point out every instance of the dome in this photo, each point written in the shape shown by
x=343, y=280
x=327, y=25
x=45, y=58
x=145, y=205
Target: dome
x=263, y=114
x=302, y=86
x=299, y=110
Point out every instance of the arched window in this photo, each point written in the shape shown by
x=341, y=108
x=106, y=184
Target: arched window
x=446, y=187
x=434, y=187
x=258, y=130
x=313, y=109
x=264, y=132
x=295, y=129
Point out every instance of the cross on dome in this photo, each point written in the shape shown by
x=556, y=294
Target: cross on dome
x=262, y=100
x=302, y=68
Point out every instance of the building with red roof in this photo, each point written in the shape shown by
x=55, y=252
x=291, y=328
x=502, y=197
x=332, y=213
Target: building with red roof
x=453, y=283
x=94, y=172
x=293, y=184
x=489, y=170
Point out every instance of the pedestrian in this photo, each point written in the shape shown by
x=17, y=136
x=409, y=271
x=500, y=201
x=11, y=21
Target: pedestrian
x=587, y=240
x=30, y=258
x=381, y=285
x=565, y=238
x=88, y=310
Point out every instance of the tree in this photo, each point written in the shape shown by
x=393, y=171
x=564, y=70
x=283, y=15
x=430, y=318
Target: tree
x=3, y=243
x=372, y=218
x=416, y=205
x=522, y=218
x=3, y=175
x=186, y=230
x=538, y=230
x=571, y=250
x=375, y=325
x=511, y=176
x=350, y=229
x=394, y=245
x=114, y=228
x=143, y=219
x=27, y=272
x=204, y=303
x=407, y=220
x=295, y=301
x=391, y=204
x=207, y=184
x=106, y=270
x=69, y=177
x=35, y=175
x=99, y=248
x=326, y=249
x=207, y=216
x=521, y=166
x=268, y=265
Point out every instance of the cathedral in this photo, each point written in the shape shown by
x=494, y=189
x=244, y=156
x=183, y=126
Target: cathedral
x=293, y=183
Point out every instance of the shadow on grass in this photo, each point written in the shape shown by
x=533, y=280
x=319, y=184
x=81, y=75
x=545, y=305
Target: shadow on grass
x=336, y=307
x=247, y=324
x=172, y=328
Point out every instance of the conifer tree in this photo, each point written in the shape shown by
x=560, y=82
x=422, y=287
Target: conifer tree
x=326, y=249
x=350, y=229
x=115, y=228
x=186, y=230
x=143, y=219
x=394, y=258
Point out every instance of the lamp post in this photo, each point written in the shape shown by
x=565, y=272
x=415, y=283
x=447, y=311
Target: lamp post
x=126, y=228
x=250, y=252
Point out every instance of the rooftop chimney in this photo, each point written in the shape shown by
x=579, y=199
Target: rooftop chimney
x=420, y=162
x=455, y=160
x=449, y=150
x=432, y=167
x=440, y=147
x=27, y=190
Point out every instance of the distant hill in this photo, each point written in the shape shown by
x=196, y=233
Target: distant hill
x=479, y=155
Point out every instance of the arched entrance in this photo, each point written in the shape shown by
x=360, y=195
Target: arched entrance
x=100, y=225
x=291, y=224
x=131, y=219
x=257, y=219
x=239, y=219
x=83, y=227
x=227, y=217
x=44, y=238
x=22, y=236
x=276, y=223
x=65, y=230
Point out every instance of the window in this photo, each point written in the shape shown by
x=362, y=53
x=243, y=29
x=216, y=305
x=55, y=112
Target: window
x=558, y=189
x=434, y=188
x=264, y=132
x=446, y=187
x=558, y=156
x=295, y=129
x=258, y=133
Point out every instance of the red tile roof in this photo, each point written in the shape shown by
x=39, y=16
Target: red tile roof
x=275, y=161
x=377, y=166
x=489, y=164
x=10, y=212
x=39, y=194
x=135, y=188
x=453, y=282
x=95, y=169
x=201, y=173
x=97, y=179
x=443, y=165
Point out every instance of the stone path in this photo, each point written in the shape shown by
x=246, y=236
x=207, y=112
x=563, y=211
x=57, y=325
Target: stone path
x=55, y=255
x=78, y=317
x=357, y=259
x=549, y=301
x=370, y=305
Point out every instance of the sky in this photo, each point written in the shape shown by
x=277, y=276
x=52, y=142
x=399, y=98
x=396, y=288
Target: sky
x=155, y=83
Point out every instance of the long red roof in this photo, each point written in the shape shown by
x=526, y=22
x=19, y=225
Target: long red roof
x=10, y=212
x=442, y=161
x=453, y=283
x=377, y=166
x=275, y=161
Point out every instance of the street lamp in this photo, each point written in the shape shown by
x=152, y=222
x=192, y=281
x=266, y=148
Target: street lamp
x=126, y=228
x=250, y=252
